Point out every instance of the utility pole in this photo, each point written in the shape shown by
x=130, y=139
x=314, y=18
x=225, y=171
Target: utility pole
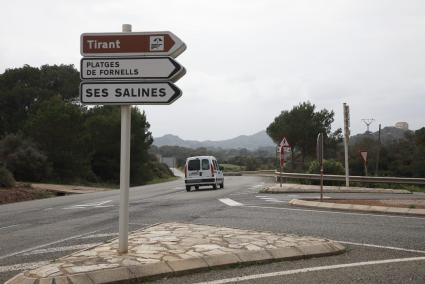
x=368, y=122
x=346, y=110
x=378, y=152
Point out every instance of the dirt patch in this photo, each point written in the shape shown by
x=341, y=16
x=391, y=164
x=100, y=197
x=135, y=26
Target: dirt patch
x=23, y=192
x=401, y=203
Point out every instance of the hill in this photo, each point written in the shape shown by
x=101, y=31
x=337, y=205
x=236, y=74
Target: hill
x=250, y=142
x=388, y=134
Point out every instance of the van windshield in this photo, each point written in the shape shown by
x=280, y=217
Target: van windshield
x=194, y=165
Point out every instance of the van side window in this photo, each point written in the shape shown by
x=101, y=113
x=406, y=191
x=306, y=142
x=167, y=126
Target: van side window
x=193, y=165
x=215, y=165
x=205, y=164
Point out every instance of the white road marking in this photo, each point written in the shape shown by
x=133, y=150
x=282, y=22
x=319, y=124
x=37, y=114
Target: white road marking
x=90, y=205
x=1, y=228
x=100, y=236
x=383, y=247
x=336, y=212
x=242, y=193
x=179, y=187
x=65, y=248
x=22, y=266
x=310, y=269
x=45, y=245
x=230, y=202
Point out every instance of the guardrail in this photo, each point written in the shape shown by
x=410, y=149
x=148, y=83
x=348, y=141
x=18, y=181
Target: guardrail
x=370, y=179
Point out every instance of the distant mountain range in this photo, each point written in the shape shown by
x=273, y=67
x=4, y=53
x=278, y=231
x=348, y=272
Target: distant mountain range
x=262, y=140
x=250, y=142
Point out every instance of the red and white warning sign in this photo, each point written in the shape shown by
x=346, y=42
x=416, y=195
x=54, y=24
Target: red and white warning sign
x=363, y=154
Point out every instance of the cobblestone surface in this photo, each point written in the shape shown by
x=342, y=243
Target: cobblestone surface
x=172, y=247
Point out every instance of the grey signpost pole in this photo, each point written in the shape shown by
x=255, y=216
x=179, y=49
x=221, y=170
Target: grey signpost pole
x=346, y=138
x=319, y=149
x=124, y=170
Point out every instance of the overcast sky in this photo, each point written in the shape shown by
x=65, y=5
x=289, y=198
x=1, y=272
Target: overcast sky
x=248, y=60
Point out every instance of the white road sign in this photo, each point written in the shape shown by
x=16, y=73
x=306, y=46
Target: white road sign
x=128, y=92
x=144, y=68
x=284, y=143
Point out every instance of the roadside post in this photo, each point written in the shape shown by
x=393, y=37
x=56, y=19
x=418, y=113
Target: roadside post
x=363, y=155
x=125, y=69
x=346, y=110
x=319, y=151
x=283, y=147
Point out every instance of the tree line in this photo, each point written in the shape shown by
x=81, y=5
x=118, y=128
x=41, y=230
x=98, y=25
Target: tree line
x=403, y=157
x=47, y=135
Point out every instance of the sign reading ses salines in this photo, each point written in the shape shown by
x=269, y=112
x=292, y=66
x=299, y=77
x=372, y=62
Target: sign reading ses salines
x=128, y=92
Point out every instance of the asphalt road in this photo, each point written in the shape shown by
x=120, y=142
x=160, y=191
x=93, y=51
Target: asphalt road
x=381, y=248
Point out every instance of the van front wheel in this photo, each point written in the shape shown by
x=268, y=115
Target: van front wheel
x=222, y=185
x=214, y=186
x=187, y=188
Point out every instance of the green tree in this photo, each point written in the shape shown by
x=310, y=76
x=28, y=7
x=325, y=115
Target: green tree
x=23, y=158
x=22, y=89
x=103, y=126
x=301, y=126
x=57, y=127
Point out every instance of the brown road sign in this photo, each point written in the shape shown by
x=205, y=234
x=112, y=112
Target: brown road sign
x=163, y=43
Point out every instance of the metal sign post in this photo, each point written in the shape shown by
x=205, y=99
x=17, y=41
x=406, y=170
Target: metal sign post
x=319, y=150
x=281, y=163
x=124, y=171
x=346, y=110
x=283, y=146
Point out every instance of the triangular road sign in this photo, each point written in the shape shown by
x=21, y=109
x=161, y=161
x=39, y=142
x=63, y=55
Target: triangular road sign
x=363, y=154
x=284, y=143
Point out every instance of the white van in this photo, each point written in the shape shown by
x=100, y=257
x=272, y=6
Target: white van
x=203, y=170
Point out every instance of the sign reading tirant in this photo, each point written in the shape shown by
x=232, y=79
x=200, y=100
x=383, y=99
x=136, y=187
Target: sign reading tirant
x=128, y=92
x=148, y=68
x=137, y=43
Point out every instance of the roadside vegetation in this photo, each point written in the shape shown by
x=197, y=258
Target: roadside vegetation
x=47, y=136
x=398, y=156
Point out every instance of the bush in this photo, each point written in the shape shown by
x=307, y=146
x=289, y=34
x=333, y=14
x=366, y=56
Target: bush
x=6, y=178
x=23, y=158
x=330, y=167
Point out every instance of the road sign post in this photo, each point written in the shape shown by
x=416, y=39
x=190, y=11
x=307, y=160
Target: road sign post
x=282, y=146
x=124, y=69
x=346, y=111
x=319, y=150
x=124, y=171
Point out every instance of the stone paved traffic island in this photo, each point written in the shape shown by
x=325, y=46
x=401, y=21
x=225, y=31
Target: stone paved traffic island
x=173, y=248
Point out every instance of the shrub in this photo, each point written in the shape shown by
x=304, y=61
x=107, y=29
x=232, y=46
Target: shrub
x=330, y=167
x=23, y=158
x=6, y=178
